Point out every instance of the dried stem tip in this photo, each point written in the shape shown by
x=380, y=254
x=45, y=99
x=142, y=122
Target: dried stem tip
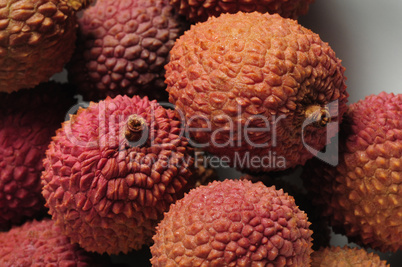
x=319, y=115
x=135, y=128
x=78, y=5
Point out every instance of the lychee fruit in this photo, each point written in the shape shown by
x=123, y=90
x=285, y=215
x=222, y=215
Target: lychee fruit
x=113, y=169
x=233, y=223
x=28, y=120
x=258, y=90
x=36, y=40
x=361, y=196
x=122, y=48
x=41, y=243
x=345, y=256
x=200, y=10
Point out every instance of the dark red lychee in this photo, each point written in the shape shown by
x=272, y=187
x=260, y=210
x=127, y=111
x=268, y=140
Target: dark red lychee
x=122, y=48
x=28, y=120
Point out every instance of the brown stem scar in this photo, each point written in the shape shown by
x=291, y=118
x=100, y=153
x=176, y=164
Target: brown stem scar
x=320, y=115
x=135, y=127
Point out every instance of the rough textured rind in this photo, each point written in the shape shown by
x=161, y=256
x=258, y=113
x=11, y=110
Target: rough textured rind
x=200, y=10
x=362, y=195
x=36, y=40
x=106, y=193
x=250, y=70
x=28, y=120
x=233, y=223
x=345, y=257
x=321, y=231
x=122, y=48
x=41, y=243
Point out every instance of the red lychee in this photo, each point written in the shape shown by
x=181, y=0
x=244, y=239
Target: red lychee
x=28, y=120
x=113, y=169
x=122, y=48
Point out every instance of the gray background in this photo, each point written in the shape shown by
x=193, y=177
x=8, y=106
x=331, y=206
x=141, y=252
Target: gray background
x=367, y=36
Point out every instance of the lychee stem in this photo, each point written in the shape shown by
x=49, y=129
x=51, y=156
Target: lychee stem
x=78, y=5
x=320, y=115
x=135, y=128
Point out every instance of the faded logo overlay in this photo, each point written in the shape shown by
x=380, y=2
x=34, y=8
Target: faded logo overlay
x=238, y=142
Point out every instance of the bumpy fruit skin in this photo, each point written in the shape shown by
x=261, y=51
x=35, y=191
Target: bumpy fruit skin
x=122, y=48
x=346, y=257
x=238, y=72
x=233, y=223
x=200, y=10
x=107, y=193
x=321, y=232
x=362, y=195
x=28, y=120
x=36, y=39
x=41, y=243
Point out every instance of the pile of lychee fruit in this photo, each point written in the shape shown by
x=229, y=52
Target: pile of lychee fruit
x=178, y=89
